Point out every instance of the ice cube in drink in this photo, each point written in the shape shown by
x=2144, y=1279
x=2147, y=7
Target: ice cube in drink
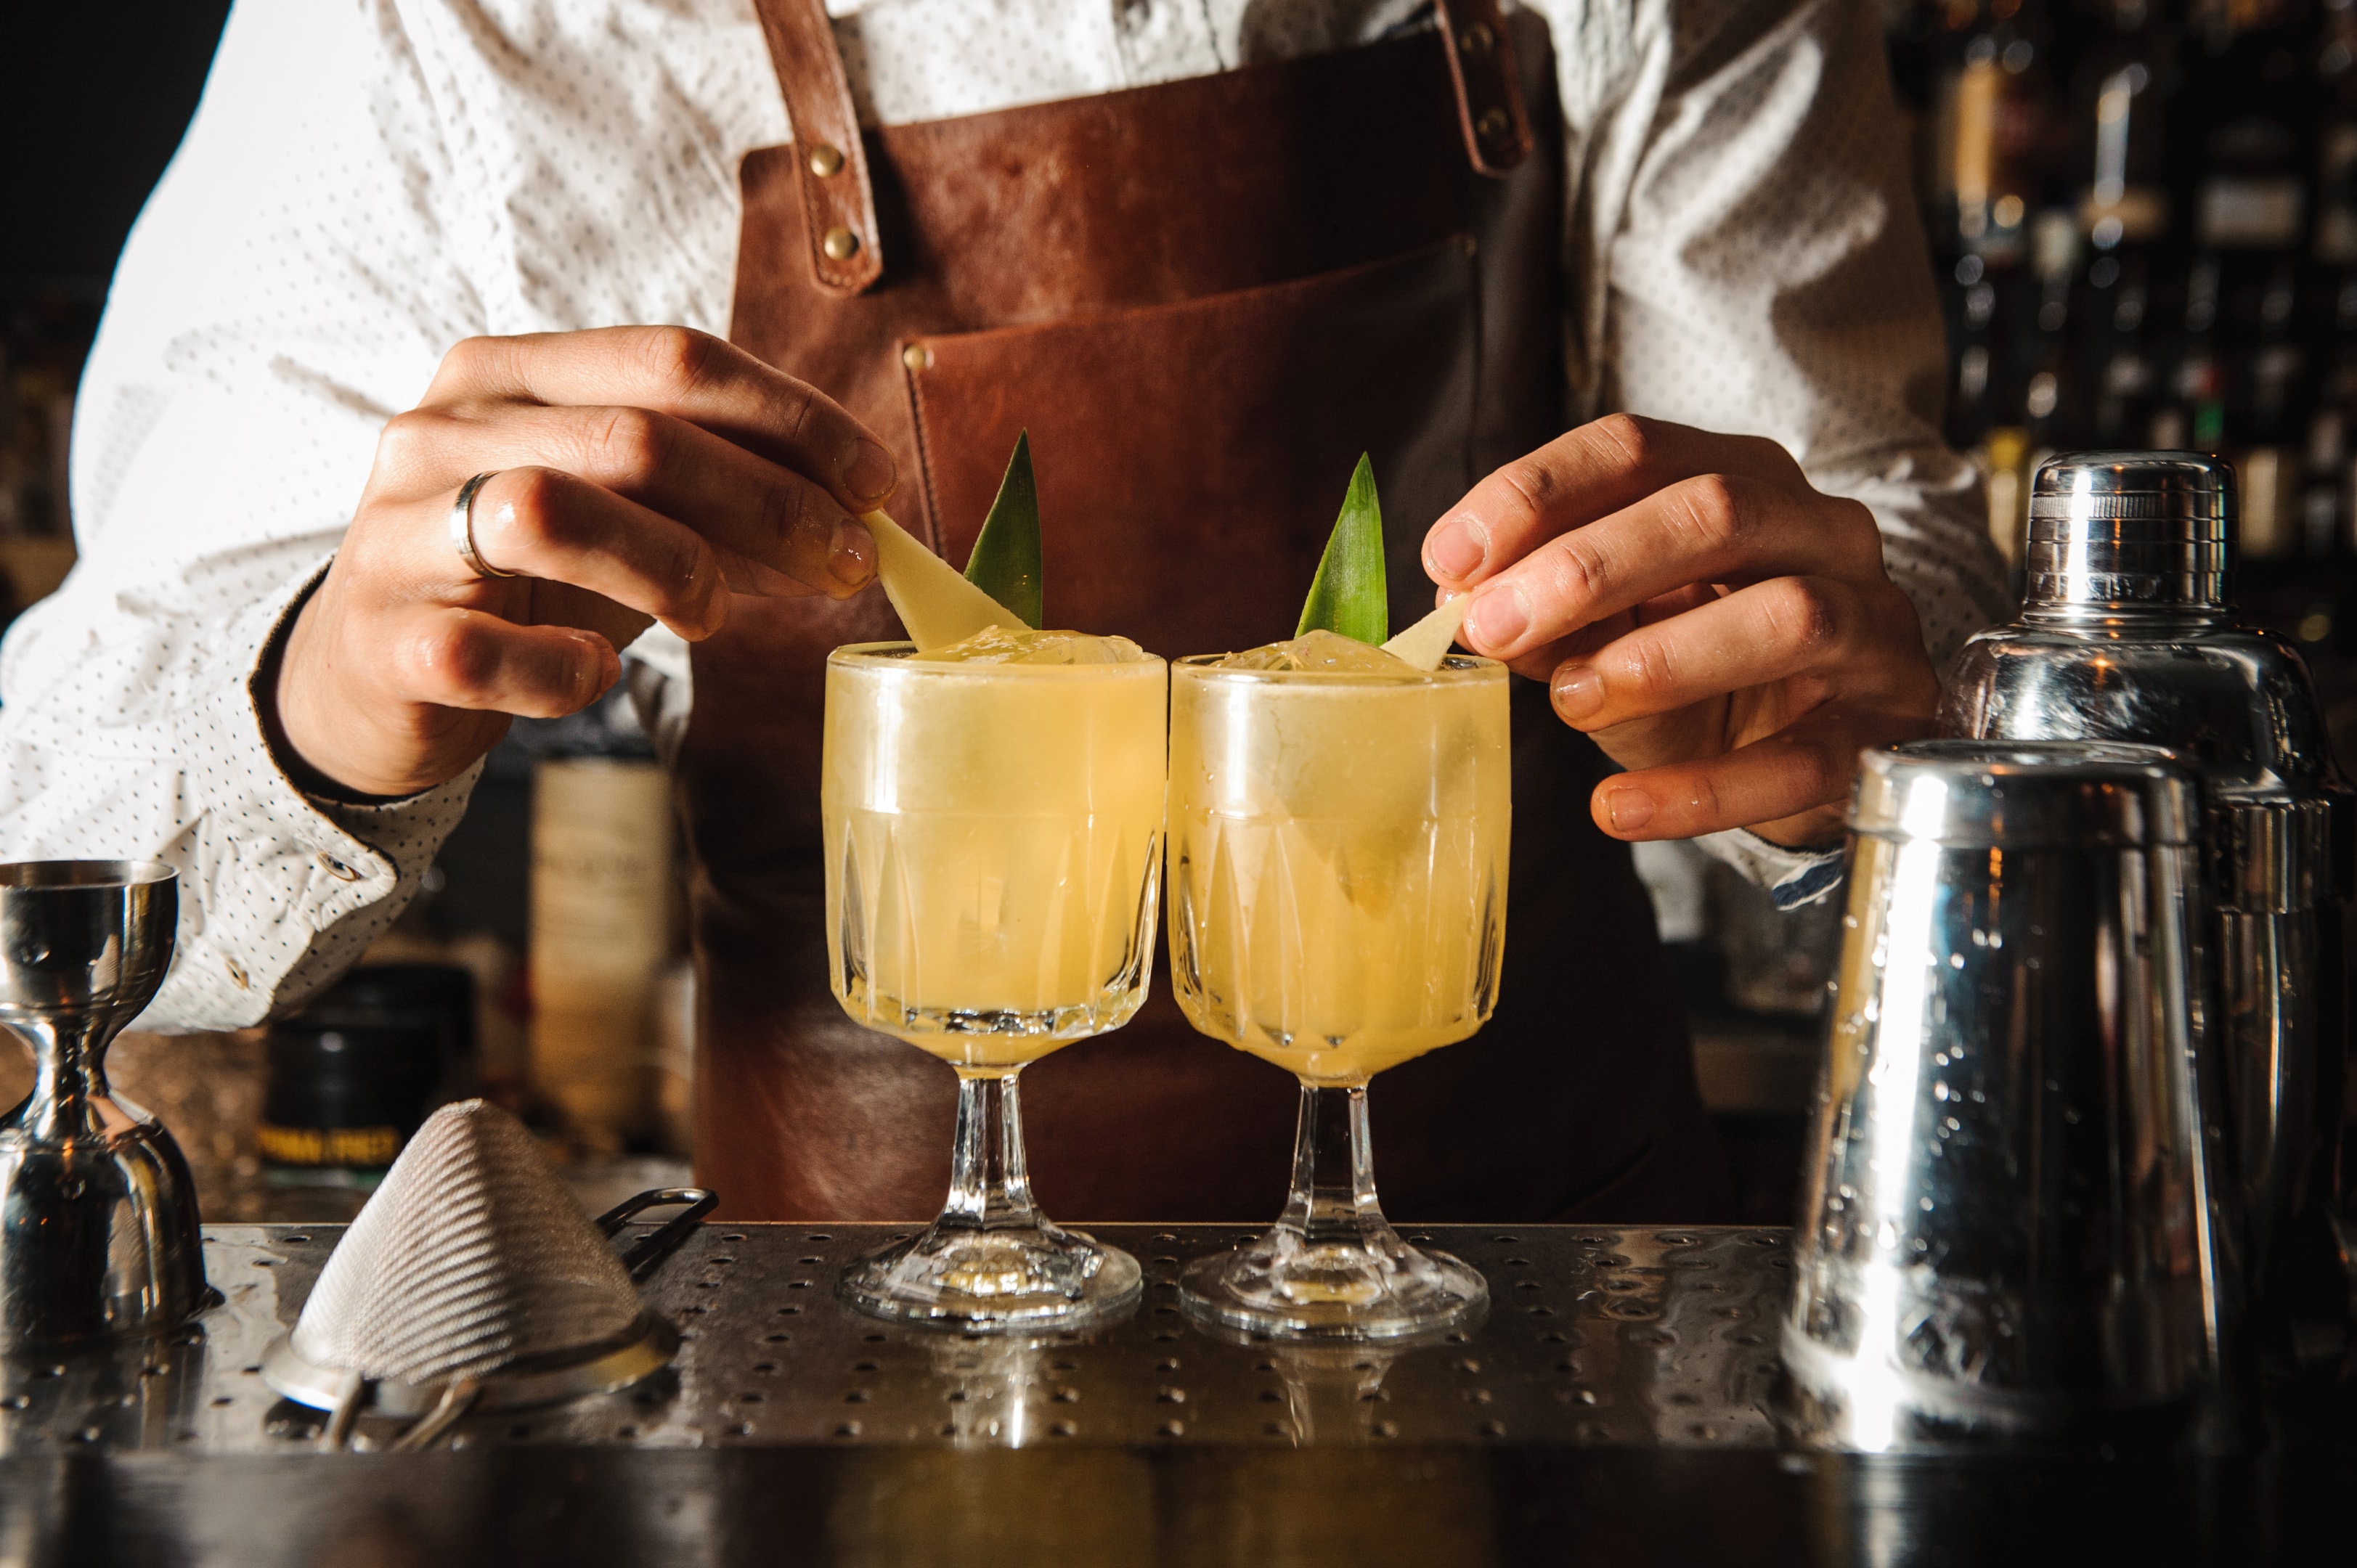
x=1339, y=824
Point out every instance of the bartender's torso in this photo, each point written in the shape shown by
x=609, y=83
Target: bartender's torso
x=1201, y=298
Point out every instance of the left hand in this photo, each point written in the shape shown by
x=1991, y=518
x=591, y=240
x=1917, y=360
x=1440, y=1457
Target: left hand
x=1724, y=630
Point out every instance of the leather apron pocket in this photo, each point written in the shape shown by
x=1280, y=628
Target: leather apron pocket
x=1191, y=456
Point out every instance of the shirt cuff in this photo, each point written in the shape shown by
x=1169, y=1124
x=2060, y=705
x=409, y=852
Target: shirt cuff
x=281, y=891
x=1794, y=877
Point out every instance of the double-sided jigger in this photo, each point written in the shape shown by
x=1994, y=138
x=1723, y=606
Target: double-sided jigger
x=98, y=1215
x=2021, y=1226
x=471, y=1280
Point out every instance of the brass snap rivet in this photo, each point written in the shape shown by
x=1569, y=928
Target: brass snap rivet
x=1477, y=41
x=824, y=161
x=917, y=357
x=840, y=243
x=337, y=869
x=1493, y=126
x=236, y=973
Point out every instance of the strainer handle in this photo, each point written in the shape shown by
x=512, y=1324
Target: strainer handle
x=648, y=1252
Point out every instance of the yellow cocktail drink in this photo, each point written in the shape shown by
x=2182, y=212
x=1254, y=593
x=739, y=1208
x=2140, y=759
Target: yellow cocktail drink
x=1337, y=857
x=993, y=839
x=1339, y=821
x=992, y=816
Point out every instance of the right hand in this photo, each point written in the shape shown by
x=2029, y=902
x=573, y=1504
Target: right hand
x=644, y=474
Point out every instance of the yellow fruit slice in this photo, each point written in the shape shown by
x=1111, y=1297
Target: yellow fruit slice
x=1426, y=643
x=936, y=602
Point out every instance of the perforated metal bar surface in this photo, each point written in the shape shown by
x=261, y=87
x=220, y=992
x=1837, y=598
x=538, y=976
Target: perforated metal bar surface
x=1595, y=1336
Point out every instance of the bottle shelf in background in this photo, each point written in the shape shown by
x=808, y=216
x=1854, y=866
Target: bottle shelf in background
x=2143, y=214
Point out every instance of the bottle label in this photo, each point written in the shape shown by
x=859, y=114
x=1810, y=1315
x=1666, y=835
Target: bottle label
x=364, y=1147
x=2252, y=212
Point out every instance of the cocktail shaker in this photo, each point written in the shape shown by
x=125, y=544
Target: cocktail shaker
x=2016, y=1231
x=2128, y=633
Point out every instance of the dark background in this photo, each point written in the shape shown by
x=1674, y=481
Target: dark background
x=92, y=101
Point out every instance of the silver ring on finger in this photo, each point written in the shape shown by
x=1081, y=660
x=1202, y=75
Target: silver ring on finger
x=462, y=528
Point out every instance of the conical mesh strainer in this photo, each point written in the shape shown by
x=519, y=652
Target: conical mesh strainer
x=473, y=1262
x=471, y=1255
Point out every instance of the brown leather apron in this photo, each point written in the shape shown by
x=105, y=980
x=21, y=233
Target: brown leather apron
x=1203, y=299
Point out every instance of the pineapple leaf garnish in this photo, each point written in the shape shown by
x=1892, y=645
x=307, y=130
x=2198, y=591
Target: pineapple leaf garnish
x=1347, y=594
x=1005, y=559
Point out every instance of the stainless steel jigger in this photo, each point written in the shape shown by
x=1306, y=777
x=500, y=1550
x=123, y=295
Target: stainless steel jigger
x=98, y=1216
x=2021, y=1225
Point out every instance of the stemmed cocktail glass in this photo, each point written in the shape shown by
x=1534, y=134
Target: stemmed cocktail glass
x=1338, y=905
x=993, y=832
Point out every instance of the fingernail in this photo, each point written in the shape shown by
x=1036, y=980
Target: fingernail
x=601, y=668
x=1579, y=692
x=1458, y=546
x=851, y=555
x=868, y=470
x=1629, y=808
x=1495, y=619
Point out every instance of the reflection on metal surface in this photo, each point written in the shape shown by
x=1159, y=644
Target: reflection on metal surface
x=2127, y=634
x=1597, y=1338
x=2017, y=1230
x=1177, y=1505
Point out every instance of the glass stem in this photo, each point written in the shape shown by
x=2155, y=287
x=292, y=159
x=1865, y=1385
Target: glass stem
x=990, y=1185
x=1333, y=1196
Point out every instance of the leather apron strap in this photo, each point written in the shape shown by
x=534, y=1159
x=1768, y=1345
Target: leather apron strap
x=846, y=251
x=847, y=246
x=1489, y=109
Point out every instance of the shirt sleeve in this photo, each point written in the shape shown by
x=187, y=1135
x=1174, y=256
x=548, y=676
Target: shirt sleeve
x=1744, y=256
x=288, y=289
x=1739, y=189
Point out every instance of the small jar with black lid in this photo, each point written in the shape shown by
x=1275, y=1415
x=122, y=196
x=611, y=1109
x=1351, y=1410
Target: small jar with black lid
x=355, y=1073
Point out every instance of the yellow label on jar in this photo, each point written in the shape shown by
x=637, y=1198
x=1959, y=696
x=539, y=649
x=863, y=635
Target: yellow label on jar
x=329, y=1145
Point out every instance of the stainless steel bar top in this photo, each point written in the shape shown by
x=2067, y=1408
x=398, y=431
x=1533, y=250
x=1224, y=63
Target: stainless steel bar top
x=1610, y=1410
x=1600, y=1336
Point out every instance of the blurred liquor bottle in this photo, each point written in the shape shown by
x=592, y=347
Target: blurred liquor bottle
x=2192, y=413
x=2330, y=502
x=2253, y=121
x=1995, y=118
x=2124, y=386
x=601, y=928
x=2119, y=99
x=1994, y=115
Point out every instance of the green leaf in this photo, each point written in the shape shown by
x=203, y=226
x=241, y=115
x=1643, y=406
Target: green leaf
x=1347, y=594
x=1005, y=559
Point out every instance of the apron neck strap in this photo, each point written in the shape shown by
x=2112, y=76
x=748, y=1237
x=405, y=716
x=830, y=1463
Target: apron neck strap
x=838, y=202
x=1490, y=111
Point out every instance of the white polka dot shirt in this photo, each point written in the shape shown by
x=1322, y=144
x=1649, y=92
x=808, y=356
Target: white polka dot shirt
x=368, y=181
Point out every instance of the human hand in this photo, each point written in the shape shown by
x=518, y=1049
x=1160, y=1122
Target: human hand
x=1724, y=631
x=641, y=474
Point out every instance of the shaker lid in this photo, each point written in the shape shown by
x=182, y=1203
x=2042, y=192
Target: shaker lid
x=2025, y=794
x=2130, y=530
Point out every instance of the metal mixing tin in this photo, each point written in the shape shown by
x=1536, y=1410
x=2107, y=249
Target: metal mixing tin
x=2128, y=633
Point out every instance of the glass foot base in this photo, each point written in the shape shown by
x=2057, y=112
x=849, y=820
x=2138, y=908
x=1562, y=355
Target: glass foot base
x=987, y=1280
x=1367, y=1286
